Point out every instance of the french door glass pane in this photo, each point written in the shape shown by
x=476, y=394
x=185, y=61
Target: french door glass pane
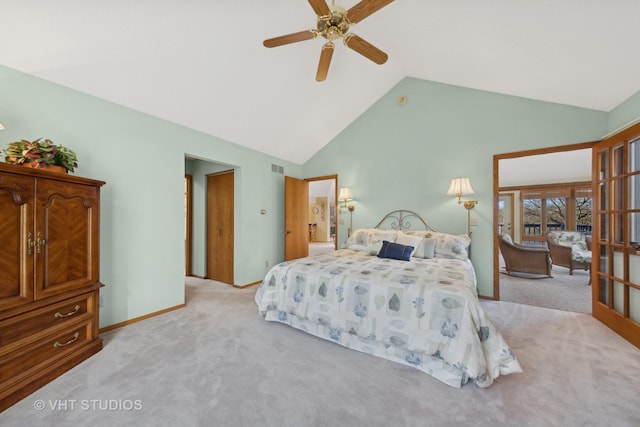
x=634, y=269
x=532, y=217
x=604, y=196
x=618, y=297
x=556, y=214
x=634, y=190
x=618, y=165
x=634, y=155
x=603, y=290
x=617, y=228
x=634, y=235
x=618, y=265
x=634, y=304
x=604, y=227
x=604, y=165
x=603, y=262
x=618, y=194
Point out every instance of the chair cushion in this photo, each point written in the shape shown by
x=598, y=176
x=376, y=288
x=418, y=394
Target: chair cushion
x=580, y=255
x=568, y=238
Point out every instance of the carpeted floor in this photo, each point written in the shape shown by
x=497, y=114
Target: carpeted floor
x=216, y=362
x=562, y=292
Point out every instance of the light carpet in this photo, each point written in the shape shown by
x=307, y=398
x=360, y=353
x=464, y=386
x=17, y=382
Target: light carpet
x=216, y=362
x=562, y=292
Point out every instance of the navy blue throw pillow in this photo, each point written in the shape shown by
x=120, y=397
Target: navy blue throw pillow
x=395, y=251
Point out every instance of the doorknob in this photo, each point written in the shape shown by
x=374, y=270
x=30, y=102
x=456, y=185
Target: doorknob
x=288, y=232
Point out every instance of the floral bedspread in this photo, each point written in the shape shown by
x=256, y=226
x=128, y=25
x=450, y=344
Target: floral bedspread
x=423, y=313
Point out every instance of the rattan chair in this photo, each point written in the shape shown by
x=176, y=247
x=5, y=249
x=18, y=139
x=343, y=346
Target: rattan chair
x=531, y=262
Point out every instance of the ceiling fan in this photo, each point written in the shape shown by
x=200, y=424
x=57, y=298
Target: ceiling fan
x=333, y=23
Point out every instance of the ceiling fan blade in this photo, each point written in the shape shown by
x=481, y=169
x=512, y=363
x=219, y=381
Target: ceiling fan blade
x=325, y=61
x=291, y=38
x=365, y=49
x=320, y=7
x=365, y=8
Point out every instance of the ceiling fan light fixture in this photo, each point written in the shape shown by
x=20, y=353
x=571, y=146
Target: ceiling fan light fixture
x=334, y=23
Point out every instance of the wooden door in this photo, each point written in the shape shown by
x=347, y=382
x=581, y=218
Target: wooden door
x=220, y=234
x=296, y=222
x=67, y=244
x=616, y=238
x=16, y=234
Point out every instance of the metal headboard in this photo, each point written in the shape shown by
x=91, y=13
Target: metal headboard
x=403, y=220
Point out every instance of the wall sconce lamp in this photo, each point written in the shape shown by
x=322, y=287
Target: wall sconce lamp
x=345, y=196
x=461, y=187
x=1, y=127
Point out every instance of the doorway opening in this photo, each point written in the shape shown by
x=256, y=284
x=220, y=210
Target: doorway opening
x=322, y=215
x=536, y=191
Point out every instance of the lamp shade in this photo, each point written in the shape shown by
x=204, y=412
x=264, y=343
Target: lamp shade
x=460, y=187
x=1, y=127
x=345, y=194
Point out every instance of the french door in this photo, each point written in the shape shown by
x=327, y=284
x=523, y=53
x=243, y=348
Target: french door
x=616, y=237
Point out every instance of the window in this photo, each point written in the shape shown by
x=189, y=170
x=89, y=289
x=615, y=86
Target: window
x=555, y=207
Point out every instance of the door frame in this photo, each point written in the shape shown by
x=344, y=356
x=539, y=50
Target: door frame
x=188, y=250
x=496, y=196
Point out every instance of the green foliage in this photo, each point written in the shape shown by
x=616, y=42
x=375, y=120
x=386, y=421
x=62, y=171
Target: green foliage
x=38, y=153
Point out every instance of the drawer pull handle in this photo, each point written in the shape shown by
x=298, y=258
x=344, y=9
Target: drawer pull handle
x=71, y=341
x=71, y=313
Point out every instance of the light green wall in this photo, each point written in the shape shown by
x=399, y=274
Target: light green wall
x=142, y=159
x=392, y=157
x=403, y=157
x=261, y=248
x=626, y=113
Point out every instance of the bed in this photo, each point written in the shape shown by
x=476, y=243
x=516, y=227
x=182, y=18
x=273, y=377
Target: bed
x=400, y=291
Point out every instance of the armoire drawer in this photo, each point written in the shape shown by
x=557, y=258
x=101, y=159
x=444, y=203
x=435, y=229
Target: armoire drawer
x=27, y=324
x=26, y=359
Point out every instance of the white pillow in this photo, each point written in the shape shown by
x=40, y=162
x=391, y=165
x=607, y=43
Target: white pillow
x=447, y=245
x=450, y=245
x=375, y=242
x=426, y=248
x=405, y=239
x=359, y=239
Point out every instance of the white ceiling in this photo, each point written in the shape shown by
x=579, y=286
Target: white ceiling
x=201, y=63
x=563, y=166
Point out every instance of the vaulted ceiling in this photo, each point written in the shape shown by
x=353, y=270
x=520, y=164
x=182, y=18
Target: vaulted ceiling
x=202, y=64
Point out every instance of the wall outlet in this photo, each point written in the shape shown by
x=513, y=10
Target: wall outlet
x=266, y=264
x=473, y=221
x=101, y=302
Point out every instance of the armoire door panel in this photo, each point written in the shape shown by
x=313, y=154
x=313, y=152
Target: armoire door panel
x=66, y=238
x=16, y=256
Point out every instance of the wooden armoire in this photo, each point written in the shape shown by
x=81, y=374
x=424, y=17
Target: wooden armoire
x=49, y=276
